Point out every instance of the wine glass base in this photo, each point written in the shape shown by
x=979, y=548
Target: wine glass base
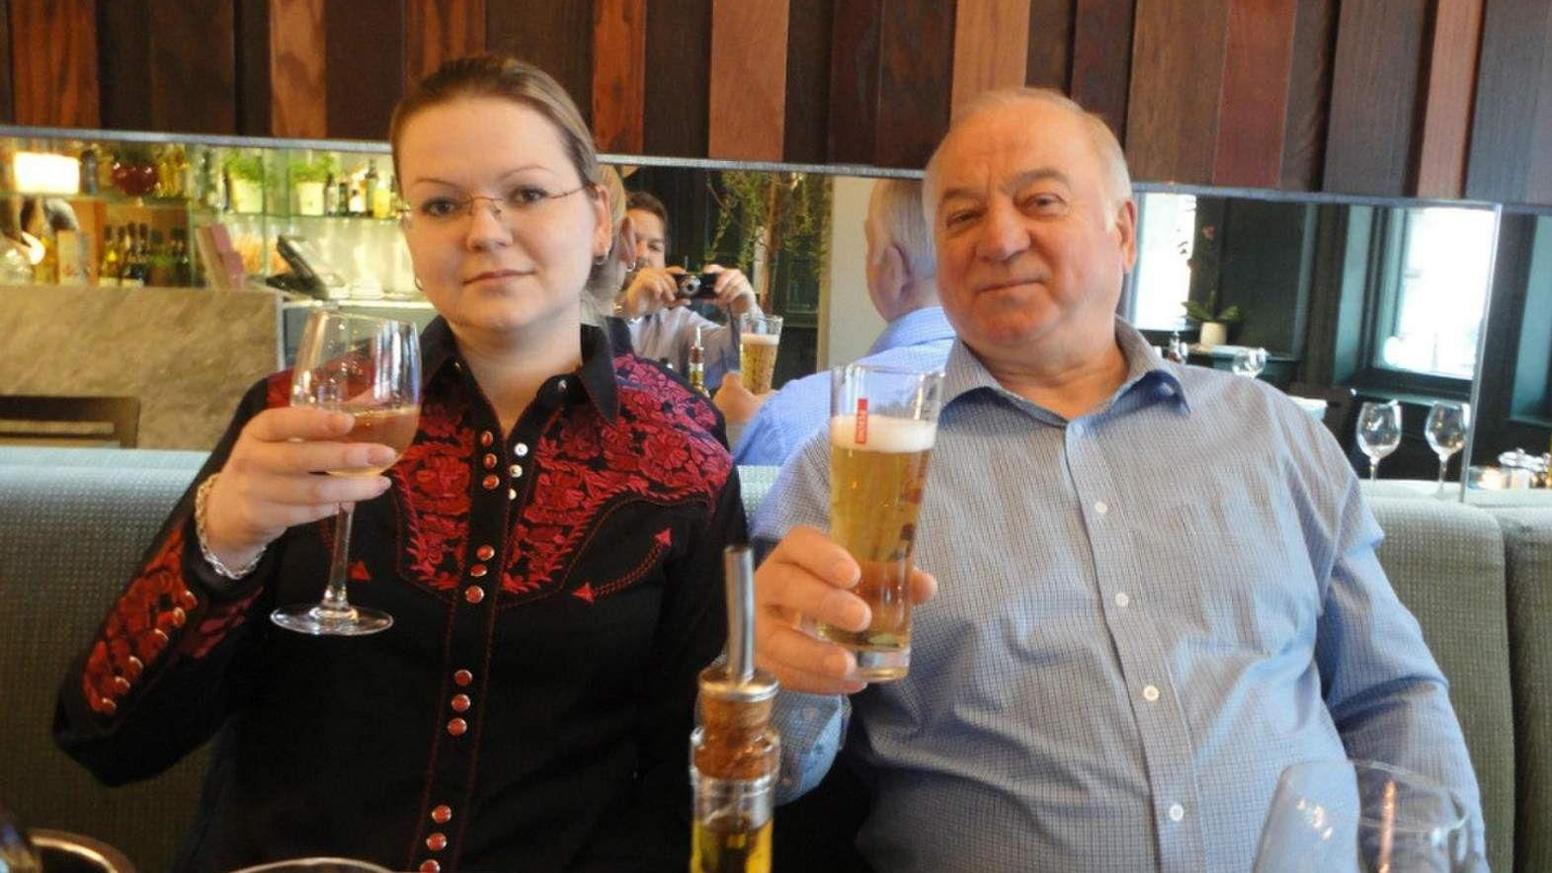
x=323, y=622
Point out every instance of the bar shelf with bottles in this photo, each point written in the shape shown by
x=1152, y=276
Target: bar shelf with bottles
x=111, y=208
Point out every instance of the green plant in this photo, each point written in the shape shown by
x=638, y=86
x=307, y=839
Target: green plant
x=1210, y=311
x=239, y=165
x=317, y=169
x=1205, y=269
x=788, y=212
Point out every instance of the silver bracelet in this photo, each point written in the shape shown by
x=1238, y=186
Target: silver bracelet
x=199, y=532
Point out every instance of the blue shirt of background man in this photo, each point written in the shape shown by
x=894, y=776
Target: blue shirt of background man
x=1144, y=615
x=917, y=340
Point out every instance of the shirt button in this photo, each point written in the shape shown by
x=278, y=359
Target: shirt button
x=1123, y=599
x=478, y=571
x=430, y=867
x=442, y=814
x=460, y=703
x=1176, y=812
x=521, y=450
x=516, y=471
x=560, y=385
x=457, y=727
x=489, y=461
x=486, y=438
x=485, y=553
x=474, y=594
x=490, y=482
x=1150, y=693
x=1101, y=507
x=462, y=678
x=511, y=493
x=436, y=842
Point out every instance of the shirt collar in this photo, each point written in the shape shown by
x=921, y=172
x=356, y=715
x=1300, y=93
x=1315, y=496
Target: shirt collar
x=924, y=325
x=1145, y=370
x=593, y=381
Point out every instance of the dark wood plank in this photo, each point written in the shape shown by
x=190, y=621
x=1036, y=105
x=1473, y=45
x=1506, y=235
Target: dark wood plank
x=1172, y=107
x=806, y=127
x=363, y=44
x=54, y=62
x=1376, y=85
x=748, y=93
x=1309, y=94
x=1102, y=59
x=1452, y=79
x=1049, y=61
x=619, y=74
x=916, y=54
x=1509, y=159
x=7, y=105
x=991, y=48
x=124, y=65
x=193, y=66
x=437, y=31
x=678, y=93
x=1253, y=110
x=251, y=23
x=854, y=80
x=298, y=101
x=555, y=35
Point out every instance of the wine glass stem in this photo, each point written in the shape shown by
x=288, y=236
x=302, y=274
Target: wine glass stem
x=1444, y=464
x=334, y=597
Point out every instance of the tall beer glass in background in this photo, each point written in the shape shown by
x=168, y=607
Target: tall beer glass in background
x=883, y=422
x=758, y=338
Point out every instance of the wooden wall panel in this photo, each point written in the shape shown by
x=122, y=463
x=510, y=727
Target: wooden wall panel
x=440, y=30
x=619, y=74
x=854, y=80
x=1510, y=159
x=1253, y=111
x=363, y=43
x=991, y=48
x=7, y=107
x=1309, y=94
x=252, y=93
x=1172, y=108
x=916, y=53
x=678, y=91
x=124, y=65
x=193, y=54
x=748, y=79
x=54, y=62
x=556, y=35
x=1048, y=63
x=298, y=102
x=1452, y=77
x=1373, y=125
x=1102, y=59
x=806, y=127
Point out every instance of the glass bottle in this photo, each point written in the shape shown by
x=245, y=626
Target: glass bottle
x=108, y=268
x=697, y=364
x=735, y=754
x=331, y=200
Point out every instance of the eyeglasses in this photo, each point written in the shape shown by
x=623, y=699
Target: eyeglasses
x=446, y=211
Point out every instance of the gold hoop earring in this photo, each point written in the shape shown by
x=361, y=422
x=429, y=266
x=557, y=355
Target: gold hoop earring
x=419, y=285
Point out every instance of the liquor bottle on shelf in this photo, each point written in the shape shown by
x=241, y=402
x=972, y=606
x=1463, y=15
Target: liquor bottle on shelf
x=112, y=260
x=372, y=189
x=331, y=199
x=342, y=198
x=158, y=265
x=89, y=170
x=358, y=204
x=182, y=265
x=134, y=274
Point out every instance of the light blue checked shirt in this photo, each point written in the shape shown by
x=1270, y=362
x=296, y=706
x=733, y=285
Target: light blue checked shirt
x=1144, y=615
x=917, y=340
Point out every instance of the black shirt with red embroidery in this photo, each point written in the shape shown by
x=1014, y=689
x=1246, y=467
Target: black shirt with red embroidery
x=555, y=592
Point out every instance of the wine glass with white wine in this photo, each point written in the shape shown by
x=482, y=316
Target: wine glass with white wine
x=370, y=368
x=1379, y=432
x=1446, y=433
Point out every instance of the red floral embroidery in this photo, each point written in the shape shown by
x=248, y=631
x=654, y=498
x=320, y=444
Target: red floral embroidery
x=139, y=628
x=433, y=475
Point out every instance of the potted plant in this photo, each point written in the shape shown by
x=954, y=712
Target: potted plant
x=309, y=175
x=245, y=181
x=1205, y=269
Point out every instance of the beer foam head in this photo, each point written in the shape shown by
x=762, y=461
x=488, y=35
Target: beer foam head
x=885, y=434
x=759, y=339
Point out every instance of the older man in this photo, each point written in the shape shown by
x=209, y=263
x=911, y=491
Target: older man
x=1159, y=582
x=902, y=283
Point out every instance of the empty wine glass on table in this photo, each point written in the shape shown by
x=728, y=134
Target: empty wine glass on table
x=1446, y=433
x=370, y=368
x=1379, y=432
x=1249, y=362
x=1364, y=817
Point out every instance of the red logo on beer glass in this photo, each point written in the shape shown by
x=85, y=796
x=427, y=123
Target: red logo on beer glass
x=861, y=436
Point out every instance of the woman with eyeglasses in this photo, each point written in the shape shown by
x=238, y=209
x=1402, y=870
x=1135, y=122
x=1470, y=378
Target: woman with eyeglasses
x=549, y=547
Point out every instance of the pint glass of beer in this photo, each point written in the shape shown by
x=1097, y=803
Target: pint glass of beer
x=883, y=422
x=758, y=336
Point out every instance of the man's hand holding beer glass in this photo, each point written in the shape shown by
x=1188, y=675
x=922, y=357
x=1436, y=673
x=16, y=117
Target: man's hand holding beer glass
x=838, y=607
